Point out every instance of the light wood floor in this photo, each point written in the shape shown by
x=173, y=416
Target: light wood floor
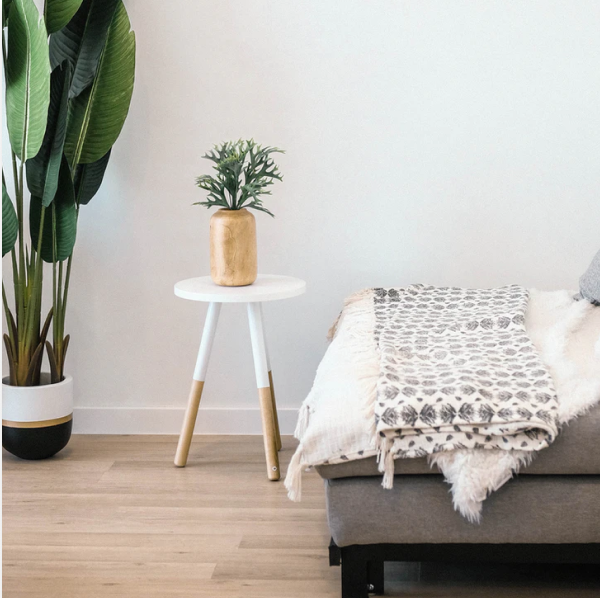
x=111, y=516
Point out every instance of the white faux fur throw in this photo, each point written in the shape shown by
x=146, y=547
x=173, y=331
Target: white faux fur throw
x=335, y=422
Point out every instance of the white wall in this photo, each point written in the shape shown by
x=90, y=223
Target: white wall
x=442, y=142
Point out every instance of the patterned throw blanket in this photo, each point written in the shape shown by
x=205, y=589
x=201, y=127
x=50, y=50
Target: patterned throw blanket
x=457, y=371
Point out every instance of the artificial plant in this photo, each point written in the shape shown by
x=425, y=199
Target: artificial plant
x=69, y=79
x=244, y=171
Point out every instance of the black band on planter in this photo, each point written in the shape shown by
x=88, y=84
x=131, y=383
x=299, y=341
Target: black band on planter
x=36, y=442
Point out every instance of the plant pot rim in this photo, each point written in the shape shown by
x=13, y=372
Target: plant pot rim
x=65, y=382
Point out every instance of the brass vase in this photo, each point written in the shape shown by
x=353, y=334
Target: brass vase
x=233, y=260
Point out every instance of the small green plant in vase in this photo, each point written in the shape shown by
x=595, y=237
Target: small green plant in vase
x=244, y=173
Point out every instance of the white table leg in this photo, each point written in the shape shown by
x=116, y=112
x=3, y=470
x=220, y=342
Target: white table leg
x=275, y=416
x=189, y=421
x=259, y=351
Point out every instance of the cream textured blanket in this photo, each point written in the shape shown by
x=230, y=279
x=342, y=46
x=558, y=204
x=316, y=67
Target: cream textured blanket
x=338, y=419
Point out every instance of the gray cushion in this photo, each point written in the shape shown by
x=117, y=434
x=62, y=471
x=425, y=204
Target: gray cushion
x=589, y=283
x=574, y=452
x=418, y=509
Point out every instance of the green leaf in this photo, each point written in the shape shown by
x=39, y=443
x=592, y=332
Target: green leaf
x=34, y=366
x=60, y=220
x=10, y=225
x=97, y=115
x=59, y=12
x=28, y=79
x=260, y=208
x=43, y=170
x=12, y=361
x=81, y=42
x=66, y=43
x=5, y=11
x=54, y=375
x=88, y=178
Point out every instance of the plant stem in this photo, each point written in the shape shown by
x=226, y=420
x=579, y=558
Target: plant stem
x=15, y=175
x=16, y=284
x=19, y=198
x=66, y=290
x=59, y=306
x=65, y=296
x=35, y=300
x=5, y=302
x=6, y=314
x=54, y=293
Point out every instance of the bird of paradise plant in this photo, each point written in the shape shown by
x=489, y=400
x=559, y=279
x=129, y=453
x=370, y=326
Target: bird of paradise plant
x=69, y=79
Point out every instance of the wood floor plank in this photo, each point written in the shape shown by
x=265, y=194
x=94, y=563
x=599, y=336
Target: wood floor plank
x=107, y=570
x=86, y=540
x=252, y=541
x=210, y=499
x=157, y=548
x=58, y=588
x=275, y=564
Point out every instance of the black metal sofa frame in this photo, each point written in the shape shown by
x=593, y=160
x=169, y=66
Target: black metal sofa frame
x=363, y=565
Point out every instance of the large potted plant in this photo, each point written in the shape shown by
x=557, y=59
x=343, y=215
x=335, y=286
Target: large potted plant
x=244, y=172
x=69, y=81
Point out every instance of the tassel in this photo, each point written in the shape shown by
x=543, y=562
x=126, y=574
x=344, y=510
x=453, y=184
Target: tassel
x=385, y=458
x=303, y=418
x=293, y=478
x=388, y=471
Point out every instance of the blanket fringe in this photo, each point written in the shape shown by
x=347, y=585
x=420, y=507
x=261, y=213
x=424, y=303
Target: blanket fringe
x=293, y=478
x=303, y=419
x=364, y=356
x=385, y=458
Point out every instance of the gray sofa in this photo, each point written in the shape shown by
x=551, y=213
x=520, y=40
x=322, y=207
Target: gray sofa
x=548, y=513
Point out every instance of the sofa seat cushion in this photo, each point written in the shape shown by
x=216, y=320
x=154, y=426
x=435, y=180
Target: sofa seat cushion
x=531, y=509
x=574, y=452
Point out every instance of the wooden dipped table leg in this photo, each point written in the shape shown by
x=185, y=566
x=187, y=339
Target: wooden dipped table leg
x=189, y=421
x=275, y=416
x=263, y=383
x=269, y=435
x=191, y=412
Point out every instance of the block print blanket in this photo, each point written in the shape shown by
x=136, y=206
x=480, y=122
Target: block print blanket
x=457, y=370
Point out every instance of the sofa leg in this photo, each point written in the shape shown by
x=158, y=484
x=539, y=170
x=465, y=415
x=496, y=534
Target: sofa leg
x=355, y=575
x=335, y=554
x=375, y=577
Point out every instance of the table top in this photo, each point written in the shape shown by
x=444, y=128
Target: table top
x=267, y=287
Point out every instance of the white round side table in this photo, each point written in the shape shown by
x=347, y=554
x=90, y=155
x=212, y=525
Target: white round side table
x=266, y=288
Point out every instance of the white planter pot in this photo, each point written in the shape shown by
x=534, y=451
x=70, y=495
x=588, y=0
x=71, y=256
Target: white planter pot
x=37, y=420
